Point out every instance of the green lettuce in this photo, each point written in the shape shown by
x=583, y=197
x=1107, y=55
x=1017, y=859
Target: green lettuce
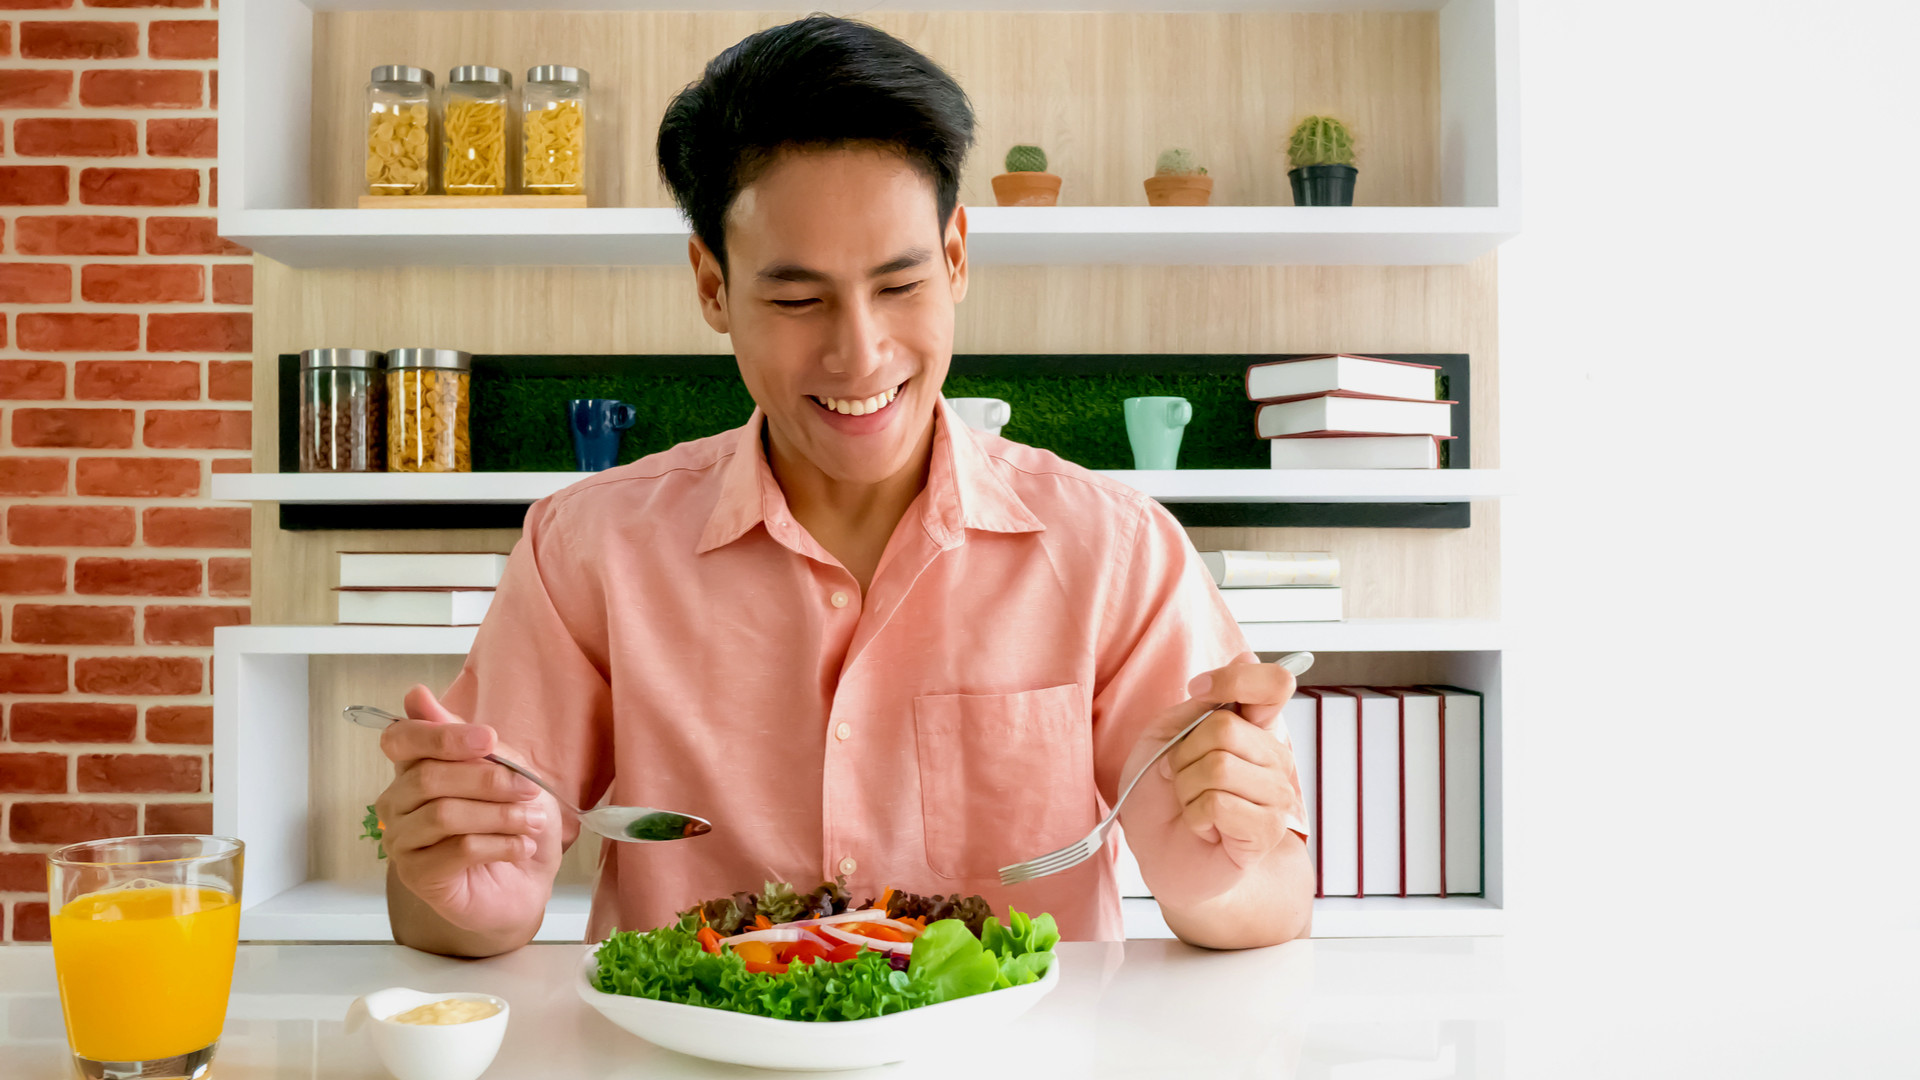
x=1023, y=946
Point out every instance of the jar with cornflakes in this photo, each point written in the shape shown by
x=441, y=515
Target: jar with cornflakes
x=473, y=130
x=427, y=402
x=400, y=143
x=343, y=411
x=553, y=131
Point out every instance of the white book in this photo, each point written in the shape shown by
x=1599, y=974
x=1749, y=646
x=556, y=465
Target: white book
x=415, y=607
x=1365, y=416
x=421, y=569
x=1355, y=452
x=1271, y=569
x=1358, y=374
x=1337, y=788
x=1304, y=604
x=1301, y=719
x=1379, y=793
x=1463, y=722
x=1420, y=806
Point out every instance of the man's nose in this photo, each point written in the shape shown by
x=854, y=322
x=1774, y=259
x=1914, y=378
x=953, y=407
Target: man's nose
x=860, y=342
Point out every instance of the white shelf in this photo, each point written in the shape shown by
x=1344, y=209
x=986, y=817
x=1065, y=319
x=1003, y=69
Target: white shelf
x=1370, y=916
x=340, y=911
x=1173, y=485
x=802, y=7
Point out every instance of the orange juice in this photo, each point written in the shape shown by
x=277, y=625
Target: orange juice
x=144, y=972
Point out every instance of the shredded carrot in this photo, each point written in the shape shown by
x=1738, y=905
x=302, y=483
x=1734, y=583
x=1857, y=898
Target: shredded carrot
x=917, y=921
x=886, y=897
x=760, y=923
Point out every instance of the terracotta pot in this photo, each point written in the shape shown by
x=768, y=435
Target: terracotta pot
x=1026, y=189
x=1179, y=190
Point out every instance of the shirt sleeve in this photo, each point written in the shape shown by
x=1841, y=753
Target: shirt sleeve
x=1164, y=623
x=532, y=674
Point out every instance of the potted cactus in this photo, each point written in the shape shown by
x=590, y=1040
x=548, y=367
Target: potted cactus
x=1026, y=181
x=1178, y=180
x=1321, y=152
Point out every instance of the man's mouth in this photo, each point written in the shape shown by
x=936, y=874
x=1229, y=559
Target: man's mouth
x=858, y=406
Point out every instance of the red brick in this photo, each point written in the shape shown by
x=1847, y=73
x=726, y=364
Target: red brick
x=72, y=721
x=215, y=331
x=213, y=186
x=140, y=187
x=199, y=429
x=232, y=465
x=72, y=624
x=22, y=871
x=193, y=818
x=6, y=39
x=124, y=88
x=137, y=478
x=33, y=476
x=144, y=773
x=33, y=774
x=213, y=88
x=33, y=185
x=136, y=380
x=188, y=236
x=183, y=39
x=138, y=675
x=70, y=526
x=143, y=3
x=35, y=283
x=233, y=284
x=32, y=673
x=23, y=5
x=230, y=380
x=191, y=624
x=188, y=724
x=70, y=822
x=35, y=380
x=104, y=576
x=142, y=284
x=85, y=234
x=197, y=138
x=225, y=577
x=35, y=89
x=197, y=527
x=45, y=575
x=93, y=429
x=79, y=40
x=72, y=331
x=30, y=919
x=64, y=137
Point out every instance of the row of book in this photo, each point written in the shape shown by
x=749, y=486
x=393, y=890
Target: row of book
x=418, y=588
x=1391, y=778
x=1341, y=411
x=1277, y=586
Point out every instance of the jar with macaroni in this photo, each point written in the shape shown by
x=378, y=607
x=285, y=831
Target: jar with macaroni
x=400, y=142
x=473, y=125
x=553, y=131
x=427, y=404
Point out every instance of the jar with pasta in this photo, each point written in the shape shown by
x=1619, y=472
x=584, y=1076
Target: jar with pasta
x=473, y=126
x=427, y=403
x=400, y=143
x=553, y=131
x=343, y=411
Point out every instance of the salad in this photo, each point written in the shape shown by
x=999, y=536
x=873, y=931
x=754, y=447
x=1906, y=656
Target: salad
x=817, y=956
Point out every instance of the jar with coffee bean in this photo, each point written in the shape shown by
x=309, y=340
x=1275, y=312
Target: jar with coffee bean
x=343, y=411
x=427, y=402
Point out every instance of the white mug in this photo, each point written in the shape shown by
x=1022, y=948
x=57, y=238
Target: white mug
x=986, y=414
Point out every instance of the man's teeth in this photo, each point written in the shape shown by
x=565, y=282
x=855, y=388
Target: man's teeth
x=860, y=406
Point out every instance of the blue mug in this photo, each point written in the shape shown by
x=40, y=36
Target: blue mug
x=596, y=424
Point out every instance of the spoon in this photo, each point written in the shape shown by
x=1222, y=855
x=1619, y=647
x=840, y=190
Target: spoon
x=628, y=824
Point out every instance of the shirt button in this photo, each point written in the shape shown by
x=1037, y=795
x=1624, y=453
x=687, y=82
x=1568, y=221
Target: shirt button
x=839, y=599
x=843, y=731
x=848, y=866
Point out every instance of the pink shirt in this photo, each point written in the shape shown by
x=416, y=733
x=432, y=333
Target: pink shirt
x=667, y=631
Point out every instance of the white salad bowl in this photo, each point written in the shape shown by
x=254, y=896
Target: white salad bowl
x=801, y=1045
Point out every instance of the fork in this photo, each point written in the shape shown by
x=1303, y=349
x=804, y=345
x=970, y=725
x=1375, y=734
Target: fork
x=1054, y=862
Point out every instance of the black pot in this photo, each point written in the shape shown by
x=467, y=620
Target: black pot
x=1323, y=185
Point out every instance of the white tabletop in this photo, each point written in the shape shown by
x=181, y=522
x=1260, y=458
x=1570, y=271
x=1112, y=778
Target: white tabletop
x=1383, y=1007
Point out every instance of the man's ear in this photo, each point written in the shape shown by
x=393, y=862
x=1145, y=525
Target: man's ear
x=955, y=244
x=710, y=284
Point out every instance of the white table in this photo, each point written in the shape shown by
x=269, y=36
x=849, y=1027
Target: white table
x=1380, y=1008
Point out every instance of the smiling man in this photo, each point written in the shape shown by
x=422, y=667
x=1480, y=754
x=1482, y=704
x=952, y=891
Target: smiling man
x=863, y=640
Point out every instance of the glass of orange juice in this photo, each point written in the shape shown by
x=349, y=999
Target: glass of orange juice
x=144, y=933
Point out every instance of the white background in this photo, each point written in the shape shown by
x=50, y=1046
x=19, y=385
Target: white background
x=1710, y=374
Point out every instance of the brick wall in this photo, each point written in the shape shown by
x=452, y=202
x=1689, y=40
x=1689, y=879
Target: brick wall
x=124, y=384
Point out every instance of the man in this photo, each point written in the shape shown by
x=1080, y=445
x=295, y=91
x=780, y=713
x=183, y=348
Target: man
x=863, y=640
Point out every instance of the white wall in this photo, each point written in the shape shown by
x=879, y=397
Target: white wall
x=1711, y=373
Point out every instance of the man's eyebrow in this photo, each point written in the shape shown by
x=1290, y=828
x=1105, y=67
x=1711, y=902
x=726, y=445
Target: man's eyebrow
x=906, y=260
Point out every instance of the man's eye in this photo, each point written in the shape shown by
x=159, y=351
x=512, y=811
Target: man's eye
x=798, y=303
x=901, y=290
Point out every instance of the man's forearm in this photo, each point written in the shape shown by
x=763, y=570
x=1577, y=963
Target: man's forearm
x=416, y=925
x=1270, y=904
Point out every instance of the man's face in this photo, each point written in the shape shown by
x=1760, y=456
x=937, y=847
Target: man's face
x=839, y=297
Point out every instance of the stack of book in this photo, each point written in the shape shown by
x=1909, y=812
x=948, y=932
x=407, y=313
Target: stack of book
x=1277, y=586
x=418, y=588
x=1351, y=412
x=1391, y=778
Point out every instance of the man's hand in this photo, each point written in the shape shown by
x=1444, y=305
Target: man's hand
x=1232, y=777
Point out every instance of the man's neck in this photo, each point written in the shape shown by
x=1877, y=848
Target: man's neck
x=853, y=521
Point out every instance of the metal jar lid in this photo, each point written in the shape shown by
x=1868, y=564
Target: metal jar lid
x=480, y=73
x=402, y=73
x=557, y=73
x=444, y=359
x=349, y=358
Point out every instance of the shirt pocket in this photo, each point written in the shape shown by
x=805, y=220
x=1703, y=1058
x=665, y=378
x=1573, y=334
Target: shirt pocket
x=1003, y=777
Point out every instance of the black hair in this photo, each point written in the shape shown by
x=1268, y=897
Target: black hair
x=817, y=82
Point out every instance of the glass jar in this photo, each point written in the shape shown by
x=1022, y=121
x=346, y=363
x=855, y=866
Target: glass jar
x=343, y=411
x=553, y=131
x=427, y=403
x=473, y=126
x=400, y=143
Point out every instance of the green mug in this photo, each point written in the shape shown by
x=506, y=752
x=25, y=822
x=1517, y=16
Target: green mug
x=1154, y=427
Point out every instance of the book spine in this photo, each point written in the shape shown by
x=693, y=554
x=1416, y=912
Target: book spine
x=1273, y=569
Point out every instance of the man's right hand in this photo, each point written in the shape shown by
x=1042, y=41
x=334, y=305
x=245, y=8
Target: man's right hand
x=473, y=840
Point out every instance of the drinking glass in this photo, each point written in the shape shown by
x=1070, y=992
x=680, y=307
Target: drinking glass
x=144, y=933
